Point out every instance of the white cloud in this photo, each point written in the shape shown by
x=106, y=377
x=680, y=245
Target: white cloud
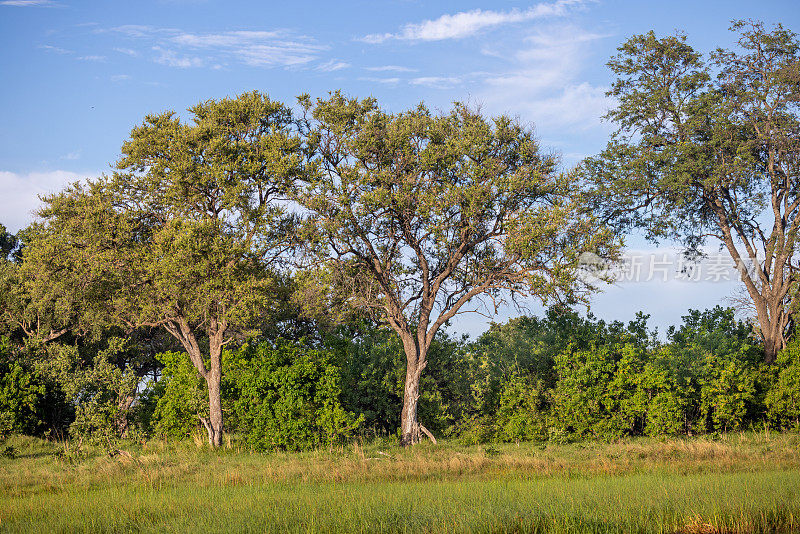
x=224, y=40
x=332, y=66
x=56, y=50
x=390, y=68
x=72, y=155
x=579, y=106
x=468, y=23
x=437, y=82
x=171, y=59
x=120, y=77
x=127, y=51
x=542, y=80
x=29, y=3
x=177, y=48
x=387, y=81
x=19, y=194
x=91, y=58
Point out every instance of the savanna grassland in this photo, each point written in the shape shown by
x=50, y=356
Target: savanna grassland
x=735, y=483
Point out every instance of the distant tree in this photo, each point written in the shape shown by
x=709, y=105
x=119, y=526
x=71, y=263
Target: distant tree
x=711, y=151
x=185, y=235
x=422, y=213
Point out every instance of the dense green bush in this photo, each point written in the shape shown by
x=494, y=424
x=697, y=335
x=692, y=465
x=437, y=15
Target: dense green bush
x=21, y=392
x=598, y=392
x=174, y=404
x=782, y=400
x=371, y=359
x=522, y=414
x=31, y=402
x=561, y=377
x=289, y=397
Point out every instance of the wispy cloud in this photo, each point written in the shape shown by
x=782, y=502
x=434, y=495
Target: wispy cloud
x=542, y=79
x=72, y=156
x=333, y=65
x=177, y=48
x=56, y=49
x=29, y=3
x=390, y=68
x=436, y=82
x=127, y=51
x=66, y=52
x=120, y=77
x=387, y=81
x=468, y=23
x=170, y=58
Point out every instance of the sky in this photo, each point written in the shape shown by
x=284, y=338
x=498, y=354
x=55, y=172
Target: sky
x=78, y=75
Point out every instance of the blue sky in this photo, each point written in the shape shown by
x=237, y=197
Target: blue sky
x=78, y=75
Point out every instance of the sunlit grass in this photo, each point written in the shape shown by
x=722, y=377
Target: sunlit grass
x=740, y=483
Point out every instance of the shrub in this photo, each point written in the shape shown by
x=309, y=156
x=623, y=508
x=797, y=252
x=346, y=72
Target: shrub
x=179, y=398
x=783, y=398
x=289, y=397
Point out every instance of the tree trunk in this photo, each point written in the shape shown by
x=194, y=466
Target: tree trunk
x=181, y=330
x=124, y=405
x=214, y=381
x=410, y=428
x=774, y=342
x=409, y=423
x=214, y=422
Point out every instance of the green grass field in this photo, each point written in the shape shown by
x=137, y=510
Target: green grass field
x=739, y=483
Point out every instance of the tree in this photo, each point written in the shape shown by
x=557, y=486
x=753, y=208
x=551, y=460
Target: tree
x=33, y=303
x=421, y=213
x=185, y=234
x=8, y=243
x=710, y=151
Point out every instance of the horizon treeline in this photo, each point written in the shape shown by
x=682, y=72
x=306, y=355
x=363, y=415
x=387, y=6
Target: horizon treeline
x=559, y=378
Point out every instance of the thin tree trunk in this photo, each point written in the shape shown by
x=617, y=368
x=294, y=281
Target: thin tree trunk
x=214, y=425
x=214, y=381
x=124, y=405
x=213, y=375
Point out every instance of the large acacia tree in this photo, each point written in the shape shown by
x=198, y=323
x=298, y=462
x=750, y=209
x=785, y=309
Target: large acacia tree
x=186, y=234
x=421, y=213
x=710, y=150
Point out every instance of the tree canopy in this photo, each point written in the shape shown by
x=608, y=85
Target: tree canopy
x=709, y=150
x=185, y=235
x=421, y=213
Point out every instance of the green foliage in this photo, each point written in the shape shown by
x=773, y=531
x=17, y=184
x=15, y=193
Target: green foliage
x=724, y=358
x=667, y=382
x=31, y=402
x=783, y=398
x=96, y=385
x=708, y=149
x=289, y=397
x=522, y=414
x=8, y=243
x=178, y=399
x=597, y=393
x=21, y=392
x=372, y=381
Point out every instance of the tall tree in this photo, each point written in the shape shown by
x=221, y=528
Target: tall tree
x=185, y=235
x=421, y=213
x=710, y=151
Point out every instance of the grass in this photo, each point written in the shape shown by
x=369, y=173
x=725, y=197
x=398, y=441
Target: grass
x=739, y=483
